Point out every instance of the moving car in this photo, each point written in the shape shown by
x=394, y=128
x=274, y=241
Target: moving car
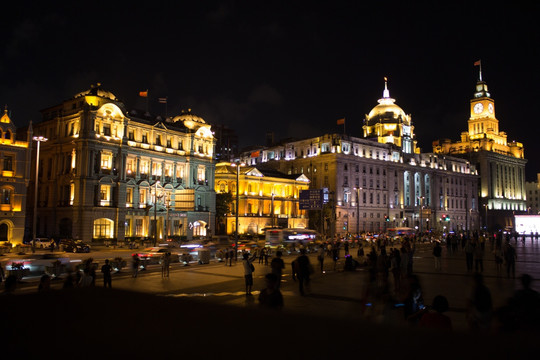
x=74, y=246
x=154, y=254
x=38, y=264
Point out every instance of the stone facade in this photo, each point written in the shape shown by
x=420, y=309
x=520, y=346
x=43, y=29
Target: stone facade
x=106, y=173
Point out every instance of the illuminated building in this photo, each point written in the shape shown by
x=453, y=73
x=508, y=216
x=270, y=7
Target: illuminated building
x=267, y=198
x=383, y=180
x=15, y=166
x=107, y=173
x=387, y=123
x=533, y=203
x=500, y=163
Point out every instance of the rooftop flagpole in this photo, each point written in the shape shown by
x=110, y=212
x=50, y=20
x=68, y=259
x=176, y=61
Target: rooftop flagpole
x=479, y=64
x=342, y=122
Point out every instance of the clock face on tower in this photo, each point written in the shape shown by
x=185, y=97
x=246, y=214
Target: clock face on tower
x=490, y=108
x=478, y=108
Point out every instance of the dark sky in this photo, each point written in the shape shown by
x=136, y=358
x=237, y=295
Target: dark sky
x=292, y=67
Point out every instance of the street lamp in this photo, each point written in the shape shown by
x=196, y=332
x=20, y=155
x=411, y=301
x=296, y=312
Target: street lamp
x=38, y=139
x=272, y=211
x=420, y=198
x=238, y=165
x=486, y=208
x=155, y=210
x=358, y=212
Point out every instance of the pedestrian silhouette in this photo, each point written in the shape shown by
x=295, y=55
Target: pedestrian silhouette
x=277, y=265
x=302, y=271
x=480, y=305
x=106, y=269
x=270, y=297
x=434, y=318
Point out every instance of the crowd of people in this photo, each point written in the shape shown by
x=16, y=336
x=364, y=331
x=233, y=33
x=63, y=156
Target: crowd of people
x=391, y=287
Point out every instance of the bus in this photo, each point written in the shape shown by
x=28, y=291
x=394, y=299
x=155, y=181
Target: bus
x=277, y=236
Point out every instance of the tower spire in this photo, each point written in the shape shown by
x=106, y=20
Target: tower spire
x=386, y=93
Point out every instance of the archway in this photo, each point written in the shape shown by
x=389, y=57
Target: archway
x=4, y=232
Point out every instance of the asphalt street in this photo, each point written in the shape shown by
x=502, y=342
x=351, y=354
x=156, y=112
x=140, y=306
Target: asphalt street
x=334, y=292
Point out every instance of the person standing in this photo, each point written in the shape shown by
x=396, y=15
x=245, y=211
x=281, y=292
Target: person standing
x=499, y=258
x=303, y=271
x=395, y=267
x=437, y=254
x=165, y=264
x=44, y=283
x=510, y=259
x=270, y=297
x=480, y=305
x=226, y=257
x=320, y=257
x=277, y=265
x=106, y=270
x=248, y=273
x=136, y=261
x=231, y=255
x=479, y=258
x=86, y=279
x=469, y=255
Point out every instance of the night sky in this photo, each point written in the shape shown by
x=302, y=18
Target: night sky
x=292, y=67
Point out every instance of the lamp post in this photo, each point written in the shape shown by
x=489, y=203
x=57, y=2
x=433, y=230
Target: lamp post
x=358, y=212
x=237, y=164
x=155, y=210
x=38, y=139
x=486, y=208
x=272, y=211
x=420, y=198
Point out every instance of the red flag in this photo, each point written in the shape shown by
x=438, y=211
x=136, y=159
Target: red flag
x=477, y=63
x=143, y=93
x=341, y=121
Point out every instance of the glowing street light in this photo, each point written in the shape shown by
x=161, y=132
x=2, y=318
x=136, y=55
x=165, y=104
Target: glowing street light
x=358, y=212
x=38, y=139
x=238, y=165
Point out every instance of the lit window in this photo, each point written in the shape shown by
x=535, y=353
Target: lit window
x=71, y=193
x=156, y=169
x=107, y=129
x=8, y=163
x=105, y=195
x=129, y=197
x=106, y=160
x=103, y=228
x=142, y=197
x=6, y=196
x=200, y=174
x=144, y=167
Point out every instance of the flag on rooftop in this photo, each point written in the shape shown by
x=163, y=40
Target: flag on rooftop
x=341, y=121
x=143, y=93
x=477, y=63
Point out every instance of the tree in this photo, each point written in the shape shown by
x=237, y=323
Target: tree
x=224, y=202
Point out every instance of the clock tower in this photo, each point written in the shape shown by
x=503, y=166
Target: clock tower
x=482, y=120
x=501, y=163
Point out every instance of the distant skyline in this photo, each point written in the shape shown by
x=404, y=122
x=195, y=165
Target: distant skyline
x=293, y=68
